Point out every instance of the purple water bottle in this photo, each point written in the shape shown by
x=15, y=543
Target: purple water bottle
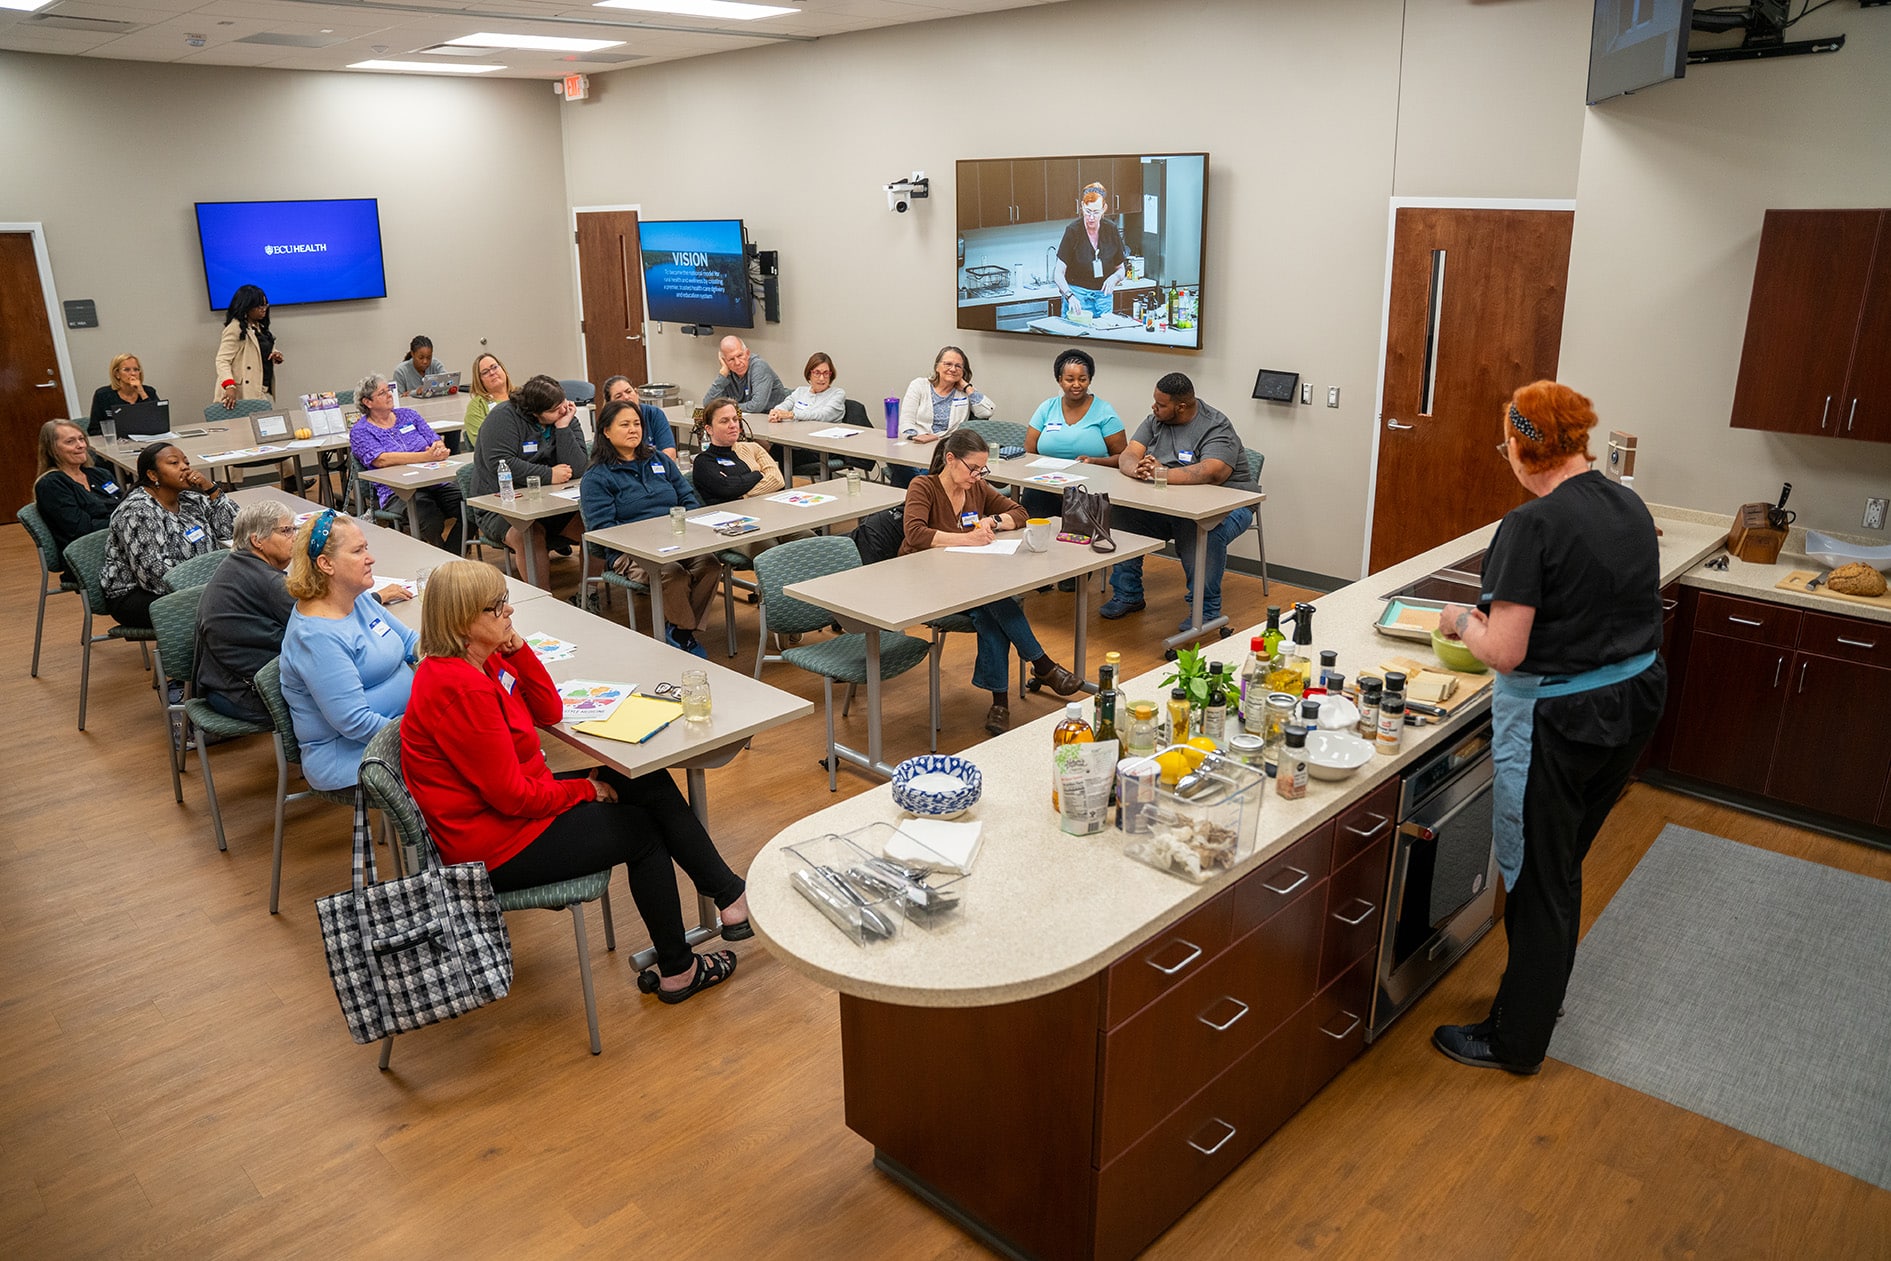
x=892, y=418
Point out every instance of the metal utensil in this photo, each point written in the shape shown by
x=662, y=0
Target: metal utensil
x=1777, y=514
x=1822, y=576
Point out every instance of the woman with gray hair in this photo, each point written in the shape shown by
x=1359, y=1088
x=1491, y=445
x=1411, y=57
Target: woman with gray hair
x=387, y=435
x=244, y=611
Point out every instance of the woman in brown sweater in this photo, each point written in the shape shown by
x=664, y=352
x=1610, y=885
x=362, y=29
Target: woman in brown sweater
x=954, y=506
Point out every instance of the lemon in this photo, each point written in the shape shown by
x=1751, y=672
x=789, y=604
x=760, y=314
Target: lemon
x=1205, y=744
x=1174, y=764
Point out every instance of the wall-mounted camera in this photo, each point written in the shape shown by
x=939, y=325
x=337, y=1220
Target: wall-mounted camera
x=900, y=194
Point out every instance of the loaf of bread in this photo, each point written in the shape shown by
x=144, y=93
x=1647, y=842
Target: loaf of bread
x=1856, y=578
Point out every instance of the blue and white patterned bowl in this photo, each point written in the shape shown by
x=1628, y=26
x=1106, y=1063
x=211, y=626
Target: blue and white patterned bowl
x=933, y=799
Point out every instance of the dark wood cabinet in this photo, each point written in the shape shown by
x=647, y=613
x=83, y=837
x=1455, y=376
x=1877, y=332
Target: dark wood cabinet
x=1730, y=710
x=1677, y=621
x=1817, y=354
x=994, y=193
x=1830, y=754
x=1063, y=180
x=1355, y=911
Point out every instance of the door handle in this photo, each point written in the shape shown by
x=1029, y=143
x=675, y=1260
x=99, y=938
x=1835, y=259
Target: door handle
x=1229, y=1022
x=1824, y=411
x=47, y=385
x=1358, y=919
x=633, y=337
x=1341, y=1035
x=1373, y=830
x=1195, y=952
x=1743, y=621
x=1304, y=877
x=1777, y=667
x=1851, y=416
x=1219, y=1144
x=1393, y=424
x=1802, y=676
x=1424, y=833
x=1855, y=643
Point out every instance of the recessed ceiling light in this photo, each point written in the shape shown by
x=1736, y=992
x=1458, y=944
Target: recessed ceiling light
x=700, y=8
x=24, y=6
x=423, y=67
x=540, y=43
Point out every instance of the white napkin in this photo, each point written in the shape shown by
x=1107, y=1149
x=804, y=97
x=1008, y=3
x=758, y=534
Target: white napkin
x=956, y=843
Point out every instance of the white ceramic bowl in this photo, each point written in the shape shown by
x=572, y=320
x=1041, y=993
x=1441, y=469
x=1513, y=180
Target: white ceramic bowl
x=1833, y=552
x=1335, y=754
x=936, y=785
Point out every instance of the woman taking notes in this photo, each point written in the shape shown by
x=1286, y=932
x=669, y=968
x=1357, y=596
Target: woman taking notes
x=954, y=506
x=346, y=663
x=174, y=514
x=387, y=436
x=471, y=759
x=631, y=481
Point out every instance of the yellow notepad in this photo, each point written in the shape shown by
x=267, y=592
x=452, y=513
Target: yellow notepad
x=635, y=721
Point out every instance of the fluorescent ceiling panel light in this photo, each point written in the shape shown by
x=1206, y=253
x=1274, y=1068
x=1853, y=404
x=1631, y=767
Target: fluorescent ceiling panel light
x=422, y=67
x=700, y=8
x=538, y=43
x=24, y=6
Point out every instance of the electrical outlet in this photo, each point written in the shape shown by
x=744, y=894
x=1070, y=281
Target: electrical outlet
x=1306, y=394
x=1332, y=396
x=1874, y=514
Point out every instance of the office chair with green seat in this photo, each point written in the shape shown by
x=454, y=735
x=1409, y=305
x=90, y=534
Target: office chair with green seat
x=268, y=683
x=215, y=412
x=731, y=561
x=196, y=571
x=605, y=579
x=175, y=617
x=387, y=792
x=85, y=556
x=840, y=657
x=472, y=532
x=955, y=624
x=50, y=563
x=1255, y=460
x=999, y=433
x=367, y=500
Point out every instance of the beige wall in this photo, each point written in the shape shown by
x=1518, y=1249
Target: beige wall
x=111, y=155
x=1674, y=183
x=1298, y=105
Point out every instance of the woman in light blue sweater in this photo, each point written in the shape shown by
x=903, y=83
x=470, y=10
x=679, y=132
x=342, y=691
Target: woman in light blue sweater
x=347, y=665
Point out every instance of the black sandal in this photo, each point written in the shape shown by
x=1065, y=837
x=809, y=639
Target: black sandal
x=712, y=968
x=737, y=932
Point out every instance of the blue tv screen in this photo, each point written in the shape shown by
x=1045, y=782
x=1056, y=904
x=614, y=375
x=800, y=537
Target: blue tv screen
x=296, y=251
x=695, y=271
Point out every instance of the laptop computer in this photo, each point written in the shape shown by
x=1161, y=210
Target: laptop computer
x=434, y=384
x=144, y=417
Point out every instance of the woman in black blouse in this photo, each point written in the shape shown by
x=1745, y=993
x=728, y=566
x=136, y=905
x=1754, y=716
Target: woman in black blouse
x=75, y=496
x=126, y=387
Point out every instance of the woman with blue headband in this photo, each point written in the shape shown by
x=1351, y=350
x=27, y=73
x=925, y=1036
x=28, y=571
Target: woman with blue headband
x=347, y=665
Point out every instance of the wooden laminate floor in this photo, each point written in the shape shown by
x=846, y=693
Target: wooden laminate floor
x=175, y=1078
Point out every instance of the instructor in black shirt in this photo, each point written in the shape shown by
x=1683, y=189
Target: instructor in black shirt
x=1570, y=618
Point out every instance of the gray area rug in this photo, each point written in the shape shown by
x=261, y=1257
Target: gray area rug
x=1748, y=987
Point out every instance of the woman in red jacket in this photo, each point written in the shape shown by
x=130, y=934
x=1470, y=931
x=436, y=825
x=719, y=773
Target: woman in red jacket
x=471, y=759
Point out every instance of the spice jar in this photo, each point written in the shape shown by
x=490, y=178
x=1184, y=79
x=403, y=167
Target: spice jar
x=1291, y=779
x=1280, y=709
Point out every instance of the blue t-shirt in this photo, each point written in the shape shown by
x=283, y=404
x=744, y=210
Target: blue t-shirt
x=1056, y=437
x=343, y=679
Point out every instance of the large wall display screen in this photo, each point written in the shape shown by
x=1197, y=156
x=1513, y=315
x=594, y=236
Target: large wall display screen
x=696, y=271
x=297, y=251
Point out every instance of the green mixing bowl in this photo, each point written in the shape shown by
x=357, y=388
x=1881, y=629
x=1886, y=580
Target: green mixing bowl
x=1455, y=655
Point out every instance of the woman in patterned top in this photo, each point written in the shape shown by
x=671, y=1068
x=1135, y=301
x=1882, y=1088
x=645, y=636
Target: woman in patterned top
x=386, y=436
x=174, y=514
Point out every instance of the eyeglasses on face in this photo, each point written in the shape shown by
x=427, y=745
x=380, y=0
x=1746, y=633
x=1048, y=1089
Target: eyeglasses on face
x=501, y=607
x=1503, y=448
x=976, y=470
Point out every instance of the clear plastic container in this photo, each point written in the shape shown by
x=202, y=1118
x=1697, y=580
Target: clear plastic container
x=1204, y=824
x=868, y=892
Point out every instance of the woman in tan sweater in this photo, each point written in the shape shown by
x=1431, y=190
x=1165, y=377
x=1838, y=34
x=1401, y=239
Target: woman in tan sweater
x=954, y=506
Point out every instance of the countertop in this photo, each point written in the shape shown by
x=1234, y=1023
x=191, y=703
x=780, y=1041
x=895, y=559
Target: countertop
x=1042, y=910
x=1757, y=582
x=1041, y=293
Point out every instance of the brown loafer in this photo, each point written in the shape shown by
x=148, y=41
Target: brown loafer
x=1060, y=680
x=998, y=720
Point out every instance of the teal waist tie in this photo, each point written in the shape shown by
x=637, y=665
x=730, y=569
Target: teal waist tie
x=1513, y=723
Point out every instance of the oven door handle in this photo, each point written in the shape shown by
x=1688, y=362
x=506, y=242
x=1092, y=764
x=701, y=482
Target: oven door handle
x=1418, y=831
x=1428, y=831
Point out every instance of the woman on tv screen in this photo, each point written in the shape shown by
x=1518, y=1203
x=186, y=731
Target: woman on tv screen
x=1090, y=259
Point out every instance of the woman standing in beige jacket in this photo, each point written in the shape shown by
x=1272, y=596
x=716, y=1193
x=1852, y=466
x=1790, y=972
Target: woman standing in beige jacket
x=247, y=355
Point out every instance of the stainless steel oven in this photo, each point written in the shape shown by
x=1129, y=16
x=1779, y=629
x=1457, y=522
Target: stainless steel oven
x=1442, y=893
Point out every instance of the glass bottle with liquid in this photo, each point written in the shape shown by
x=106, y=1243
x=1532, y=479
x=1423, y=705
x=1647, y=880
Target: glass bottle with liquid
x=1107, y=698
x=1072, y=730
x=1178, y=732
x=1294, y=667
x=1215, y=712
x=1271, y=638
x=1139, y=739
x=1253, y=681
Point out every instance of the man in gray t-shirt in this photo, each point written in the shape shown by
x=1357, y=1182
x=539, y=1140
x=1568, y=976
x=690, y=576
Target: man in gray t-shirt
x=746, y=378
x=1197, y=444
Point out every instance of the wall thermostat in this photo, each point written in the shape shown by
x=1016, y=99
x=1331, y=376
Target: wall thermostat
x=1275, y=387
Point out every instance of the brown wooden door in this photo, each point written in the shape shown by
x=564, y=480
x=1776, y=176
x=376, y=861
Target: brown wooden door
x=1808, y=285
x=1476, y=310
x=1729, y=710
x=31, y=391
x=1820, y=762
x=610, y=290
x=1868, y=387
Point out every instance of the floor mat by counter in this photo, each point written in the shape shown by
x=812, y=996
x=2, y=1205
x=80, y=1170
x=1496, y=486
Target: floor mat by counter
x=1748, y=987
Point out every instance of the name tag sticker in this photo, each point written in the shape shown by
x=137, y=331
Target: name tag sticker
x=968, y=519
x=529, y=448
x=110, y=488
x=406, y=429
x=1055, y=422
x=379, y=627
x=655, y=467
x=1186, y=457
x=506, y=680
x=725, y=463
x=194, y=533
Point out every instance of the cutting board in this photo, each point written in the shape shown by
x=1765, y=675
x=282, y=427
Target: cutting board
x=1470, y=686
x=1798, y=578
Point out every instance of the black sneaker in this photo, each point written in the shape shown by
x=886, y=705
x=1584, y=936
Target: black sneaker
x=1470, y=1044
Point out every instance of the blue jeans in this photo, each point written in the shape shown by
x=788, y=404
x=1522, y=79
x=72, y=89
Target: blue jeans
x=1041, y=503
x=1126, y=576
x=1001, y=626
x=1095, y=301
x=901, y=475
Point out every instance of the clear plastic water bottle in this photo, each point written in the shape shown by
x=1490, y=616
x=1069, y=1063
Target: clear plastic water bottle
x=507, y=495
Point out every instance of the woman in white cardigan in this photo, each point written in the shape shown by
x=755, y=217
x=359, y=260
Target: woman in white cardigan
x=934, y=406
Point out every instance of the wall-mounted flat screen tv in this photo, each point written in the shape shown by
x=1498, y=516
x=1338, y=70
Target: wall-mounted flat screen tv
x=1100, y=246
x=297, y=251
x=1636, y=44
x=696, y=271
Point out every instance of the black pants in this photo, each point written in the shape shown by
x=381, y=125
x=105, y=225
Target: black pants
x=648, y=826
x=438, y=508
x=1572, y=788
x=133, y=608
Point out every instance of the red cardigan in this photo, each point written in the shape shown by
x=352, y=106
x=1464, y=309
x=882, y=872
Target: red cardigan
x=471, y=758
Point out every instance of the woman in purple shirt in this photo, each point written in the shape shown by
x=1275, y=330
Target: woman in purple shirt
x=387, y=435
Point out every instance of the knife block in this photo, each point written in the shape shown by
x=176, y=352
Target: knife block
x=1754, y=538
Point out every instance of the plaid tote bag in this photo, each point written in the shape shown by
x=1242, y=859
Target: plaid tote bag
x=408, y=953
